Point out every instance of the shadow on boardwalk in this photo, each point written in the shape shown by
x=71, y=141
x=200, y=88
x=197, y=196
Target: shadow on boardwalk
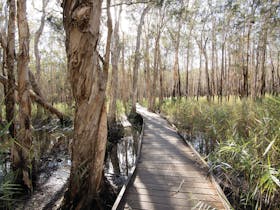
x=169, y=175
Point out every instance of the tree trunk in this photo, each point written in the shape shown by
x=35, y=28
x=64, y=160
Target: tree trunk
x=256, y=74
x=176, y=72
x=204, y=51
x=213, y=70
x=10, y=53
x=277, y=72
x=88, y=81
x=22, y=154
x=148, y=73
x=263, y=73
x=273, y=85
x=245, y=91
x=161, y=69
x=155, y=73
x=137, y=60
x=37, y=98
x=36, y=50
x=115, y=72
x=188, y=61
x=222, y=73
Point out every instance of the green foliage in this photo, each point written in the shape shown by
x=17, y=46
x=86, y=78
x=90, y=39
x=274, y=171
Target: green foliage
x=247, y=153
x=65, y=108
x=8, y=190
x=120, y=108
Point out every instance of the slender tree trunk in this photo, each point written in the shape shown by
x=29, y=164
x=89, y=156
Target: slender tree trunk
x=263, y=73
x=277, y=72
x=176, y=92
x=148, y=73
x=204, y=51
x=124, y=80
x=198, y=93
x=245, y=91
x=188, y=61
x=155, y=72
x=10, y=53
x=88, y=81
x=256, y=75
x=115, y=72
x=222, y=73
x=273, y=85
x=161, y=69
x=36, y=50
x=137, y=60
x=22, y=154
x=213, y=57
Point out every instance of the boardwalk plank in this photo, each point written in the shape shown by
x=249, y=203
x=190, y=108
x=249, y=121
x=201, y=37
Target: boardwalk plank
x=169, y=175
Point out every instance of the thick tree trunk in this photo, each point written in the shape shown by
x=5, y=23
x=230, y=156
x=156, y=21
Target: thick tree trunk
x=115, y=72
x=10, y=52
x=22, y=154
x=137, y=60
x=88, y=81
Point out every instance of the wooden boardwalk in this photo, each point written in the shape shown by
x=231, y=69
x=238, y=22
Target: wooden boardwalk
x=169, y=174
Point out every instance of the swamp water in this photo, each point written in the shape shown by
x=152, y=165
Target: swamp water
x=52, y=145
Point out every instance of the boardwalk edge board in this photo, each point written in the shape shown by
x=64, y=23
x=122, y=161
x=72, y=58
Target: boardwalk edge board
x=221, y=194
x=118, y=202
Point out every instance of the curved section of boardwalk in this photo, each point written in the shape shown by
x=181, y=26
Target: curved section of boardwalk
x=169, y=175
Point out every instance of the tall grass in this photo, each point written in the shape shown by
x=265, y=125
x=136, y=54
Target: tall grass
x=246, y=155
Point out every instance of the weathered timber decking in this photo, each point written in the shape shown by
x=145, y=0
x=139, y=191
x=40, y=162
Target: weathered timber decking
x=169, y=174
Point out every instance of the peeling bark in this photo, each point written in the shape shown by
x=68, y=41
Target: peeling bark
x=88, y=81
x=22, y=154
x=10, y=61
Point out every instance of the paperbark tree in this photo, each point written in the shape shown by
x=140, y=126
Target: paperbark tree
x=176, y=92
x=88, y=81
x=115, y=57
x=10, y=61
x=22, y=154
x=36, y=49
x=137, y=59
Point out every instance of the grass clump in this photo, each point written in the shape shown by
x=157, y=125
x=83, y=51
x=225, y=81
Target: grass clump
x=245, y=139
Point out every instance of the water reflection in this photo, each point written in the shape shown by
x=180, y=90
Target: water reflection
x=201, y=144
x=121, y=158
x=52, y=150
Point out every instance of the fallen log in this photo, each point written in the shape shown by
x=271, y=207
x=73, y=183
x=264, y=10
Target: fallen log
x=41, y=101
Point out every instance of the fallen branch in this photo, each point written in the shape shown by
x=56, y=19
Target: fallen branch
x=40, y=100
